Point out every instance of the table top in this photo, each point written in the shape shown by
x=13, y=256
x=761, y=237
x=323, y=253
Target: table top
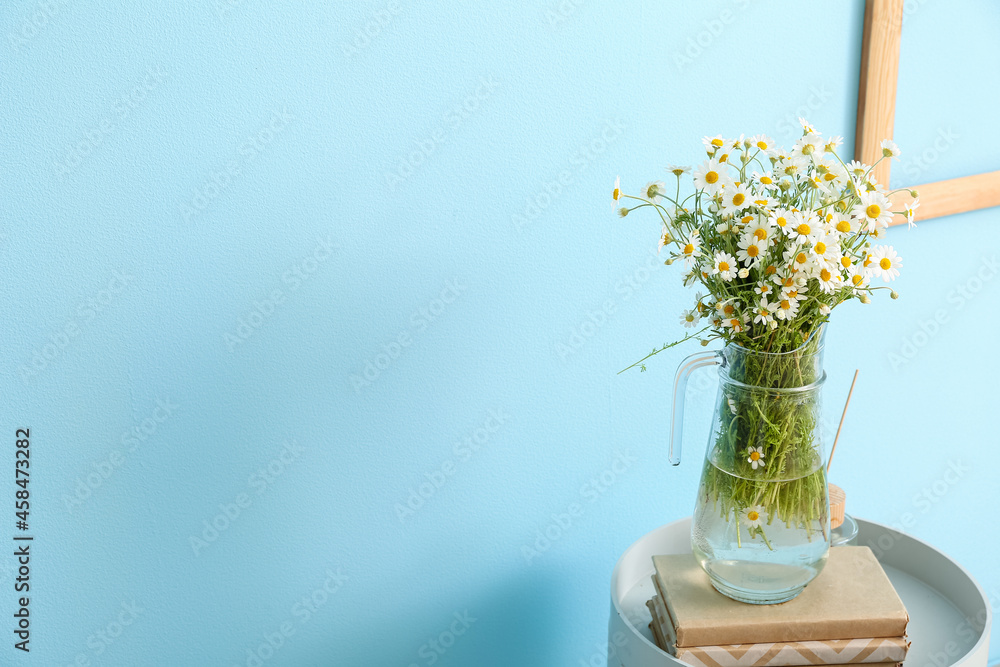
x=950, y=615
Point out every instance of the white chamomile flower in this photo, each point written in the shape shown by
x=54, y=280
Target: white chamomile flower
x=793, y=167
x=691, y=249
x=763, y=182
x=727, y=308
x=734, y=323
x=804, y=228
x=842, y=224
x=910, y=211
x=750, y=250
x=665, y=238
x=807, y=127
x=885, y=263
x=752, y=516
x=787, y=309
x=889, y=148
x=689, y=318
x=793, y=293
x=655, y=191
x=833, y=143
x=761, y=230
x=616, y=193
x=763, y=288
x=780, y=218
x=724, y=266
x=873, y=211
x=857, y=169
x=677, y=170
x=831, y=173
x=857, y=276
x=724, y=227
x=762, y=142
x=825, y=245
x=809, y=145
x=735, y=199
x=755, y=457
x=710, y=176
x=713, y=144
x=738, y=143
x=764, y=313
x=828, y=278
x=763, y=203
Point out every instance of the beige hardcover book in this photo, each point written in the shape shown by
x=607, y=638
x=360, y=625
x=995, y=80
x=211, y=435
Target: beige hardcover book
x=840, y=652
x=851, y=598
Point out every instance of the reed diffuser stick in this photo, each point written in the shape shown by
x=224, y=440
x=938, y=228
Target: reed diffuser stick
x=841, y=425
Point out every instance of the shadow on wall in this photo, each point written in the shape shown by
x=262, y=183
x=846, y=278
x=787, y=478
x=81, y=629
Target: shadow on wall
x=509, y=624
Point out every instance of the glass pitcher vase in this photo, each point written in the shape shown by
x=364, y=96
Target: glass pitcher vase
x=761, y=526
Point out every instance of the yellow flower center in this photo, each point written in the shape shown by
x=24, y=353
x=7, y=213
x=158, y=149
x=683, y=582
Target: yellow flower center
x=689, y=317
x=752, y=251
x=804, y=229
x=746, y=219
x=760, y=202
x=766, y=180
x=845, y=262
x=780, y=221
x=734, y=324
x=829, y=176
x=792, y=294
x=712, y=177
x=689, y=249
x=770, y=271
x=843, y=226
x=868, y=260
x=885, y=263
x=820, y=248
x=856, y=279
x=723, y=266
x=728, y=309
x=723, y=157
x=873, y=211
x=738, y=199
x=762, y=145
x=801, y=258
x=753, y=516
x=616, y=193
x=717, y=143
x=785, y=304
x=825, y=275
x=760, y=234
x=764, y=289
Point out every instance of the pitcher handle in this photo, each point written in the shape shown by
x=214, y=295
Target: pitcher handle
x=689, y=365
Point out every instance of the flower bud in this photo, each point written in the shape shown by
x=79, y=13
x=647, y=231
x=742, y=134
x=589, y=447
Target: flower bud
x=622, y=212
x=865, y=298
x=894, y=294
x=704, y=343
x=669, y=261
x=914, y=194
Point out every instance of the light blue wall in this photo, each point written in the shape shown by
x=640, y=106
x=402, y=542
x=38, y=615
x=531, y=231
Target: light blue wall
x=173, y=178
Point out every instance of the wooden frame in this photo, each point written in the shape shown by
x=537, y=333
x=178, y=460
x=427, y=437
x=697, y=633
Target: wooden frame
x=876, y=114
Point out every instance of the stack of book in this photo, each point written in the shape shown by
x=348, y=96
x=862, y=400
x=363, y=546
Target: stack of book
x=849, y=615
